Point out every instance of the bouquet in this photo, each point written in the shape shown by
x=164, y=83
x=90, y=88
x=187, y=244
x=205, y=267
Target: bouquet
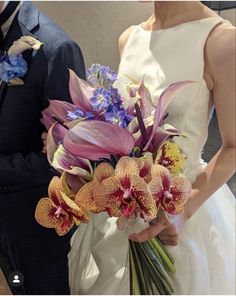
x=116, y=155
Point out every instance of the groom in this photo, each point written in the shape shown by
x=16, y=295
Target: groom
x=37, y=256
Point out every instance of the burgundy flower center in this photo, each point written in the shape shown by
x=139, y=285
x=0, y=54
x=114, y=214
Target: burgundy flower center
x=58, y=212
x=167, y=196
x=126, y=194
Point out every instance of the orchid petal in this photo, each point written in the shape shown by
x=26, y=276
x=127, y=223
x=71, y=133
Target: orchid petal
x=54, y=191
x=156, y=188
x=145, y=203
x=170, y=156
x=43, y=213
x=103, y=171
x=85, y=198
x=181, y=190
x=77, y=212
x=108, y=194
x=126, y=166
x=145, y=164
x=160, y=171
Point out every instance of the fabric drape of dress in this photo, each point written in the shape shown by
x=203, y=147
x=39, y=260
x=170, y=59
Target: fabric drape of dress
x=205, y=255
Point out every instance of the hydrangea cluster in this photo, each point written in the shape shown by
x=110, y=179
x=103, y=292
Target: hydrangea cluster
x=99, y=75
x=12, y=67
x=106, y=99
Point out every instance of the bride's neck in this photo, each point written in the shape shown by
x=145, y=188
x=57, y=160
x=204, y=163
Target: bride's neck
x=171, y=13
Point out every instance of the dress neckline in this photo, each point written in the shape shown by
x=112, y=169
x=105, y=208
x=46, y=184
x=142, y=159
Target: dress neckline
x=179, y=25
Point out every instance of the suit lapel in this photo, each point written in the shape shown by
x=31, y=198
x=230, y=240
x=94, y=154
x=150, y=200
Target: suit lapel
x=26, y=22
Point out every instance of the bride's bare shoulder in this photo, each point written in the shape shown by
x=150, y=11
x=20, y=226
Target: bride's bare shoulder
x=124, y=38
x=221, y=44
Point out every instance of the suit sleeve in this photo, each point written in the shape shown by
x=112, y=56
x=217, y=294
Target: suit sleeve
x=18, y=171
x=67, y=56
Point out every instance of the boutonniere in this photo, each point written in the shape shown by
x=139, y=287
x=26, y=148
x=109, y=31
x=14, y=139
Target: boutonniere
x=12, y=64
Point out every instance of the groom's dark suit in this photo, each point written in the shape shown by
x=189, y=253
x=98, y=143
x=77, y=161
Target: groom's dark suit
x=38, y=253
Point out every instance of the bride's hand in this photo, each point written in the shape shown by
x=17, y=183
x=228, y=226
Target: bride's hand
x=167, y=229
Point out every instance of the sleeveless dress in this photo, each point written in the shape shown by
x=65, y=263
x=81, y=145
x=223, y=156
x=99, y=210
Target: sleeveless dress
x=205, y=255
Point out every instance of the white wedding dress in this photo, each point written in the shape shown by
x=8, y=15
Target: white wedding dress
x=205, y=255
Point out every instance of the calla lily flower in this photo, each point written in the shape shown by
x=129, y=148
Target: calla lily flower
x=65, y=161
x=22, y=44
x=163, y=102
x=169, y=194
x=80, y=92
x=58, y=210
x=126, y=193
x=96, y=139
x=56, y=111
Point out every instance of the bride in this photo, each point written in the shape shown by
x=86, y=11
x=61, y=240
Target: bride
x=180, y=41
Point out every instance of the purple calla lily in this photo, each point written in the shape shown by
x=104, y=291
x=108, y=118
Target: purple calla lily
x=163, y=102
x=96, y=139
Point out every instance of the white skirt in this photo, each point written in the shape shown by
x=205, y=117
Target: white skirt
x=204, y=257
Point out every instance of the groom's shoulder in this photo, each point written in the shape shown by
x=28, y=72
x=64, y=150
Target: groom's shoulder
x=46, y=30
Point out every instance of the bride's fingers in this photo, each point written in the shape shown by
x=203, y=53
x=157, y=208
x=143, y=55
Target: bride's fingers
x=168, y=237
x=148, y=233
x=169, y=242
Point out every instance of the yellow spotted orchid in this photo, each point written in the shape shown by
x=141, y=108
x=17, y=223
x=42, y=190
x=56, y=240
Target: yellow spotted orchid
x=59, y=210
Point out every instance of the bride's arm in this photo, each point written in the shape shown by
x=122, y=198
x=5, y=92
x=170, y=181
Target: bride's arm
x=220, y=64
x=220, y=55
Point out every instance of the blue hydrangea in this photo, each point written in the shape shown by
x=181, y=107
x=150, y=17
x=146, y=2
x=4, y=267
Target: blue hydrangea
x=98, y=74
x=93, y=73
x=101, y=99
x=117, y=116
x=11, y=67
x=116, y=98
x=79, y=114
x=108, y=74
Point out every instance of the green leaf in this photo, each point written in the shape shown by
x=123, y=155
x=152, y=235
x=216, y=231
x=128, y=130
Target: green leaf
x=163, y=254
x=139, y=270
x=134, y=285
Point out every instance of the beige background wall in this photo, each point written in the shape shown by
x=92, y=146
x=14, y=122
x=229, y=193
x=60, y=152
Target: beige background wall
x=96, y=25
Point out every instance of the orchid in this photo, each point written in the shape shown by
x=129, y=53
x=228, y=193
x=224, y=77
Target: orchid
x=170, y=156
x=125, y=193
x=169, y=194
x=85, y=195
x=59, y=211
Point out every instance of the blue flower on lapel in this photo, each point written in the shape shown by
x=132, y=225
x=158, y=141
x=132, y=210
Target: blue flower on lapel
x=12, y=64
x=12, y=67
